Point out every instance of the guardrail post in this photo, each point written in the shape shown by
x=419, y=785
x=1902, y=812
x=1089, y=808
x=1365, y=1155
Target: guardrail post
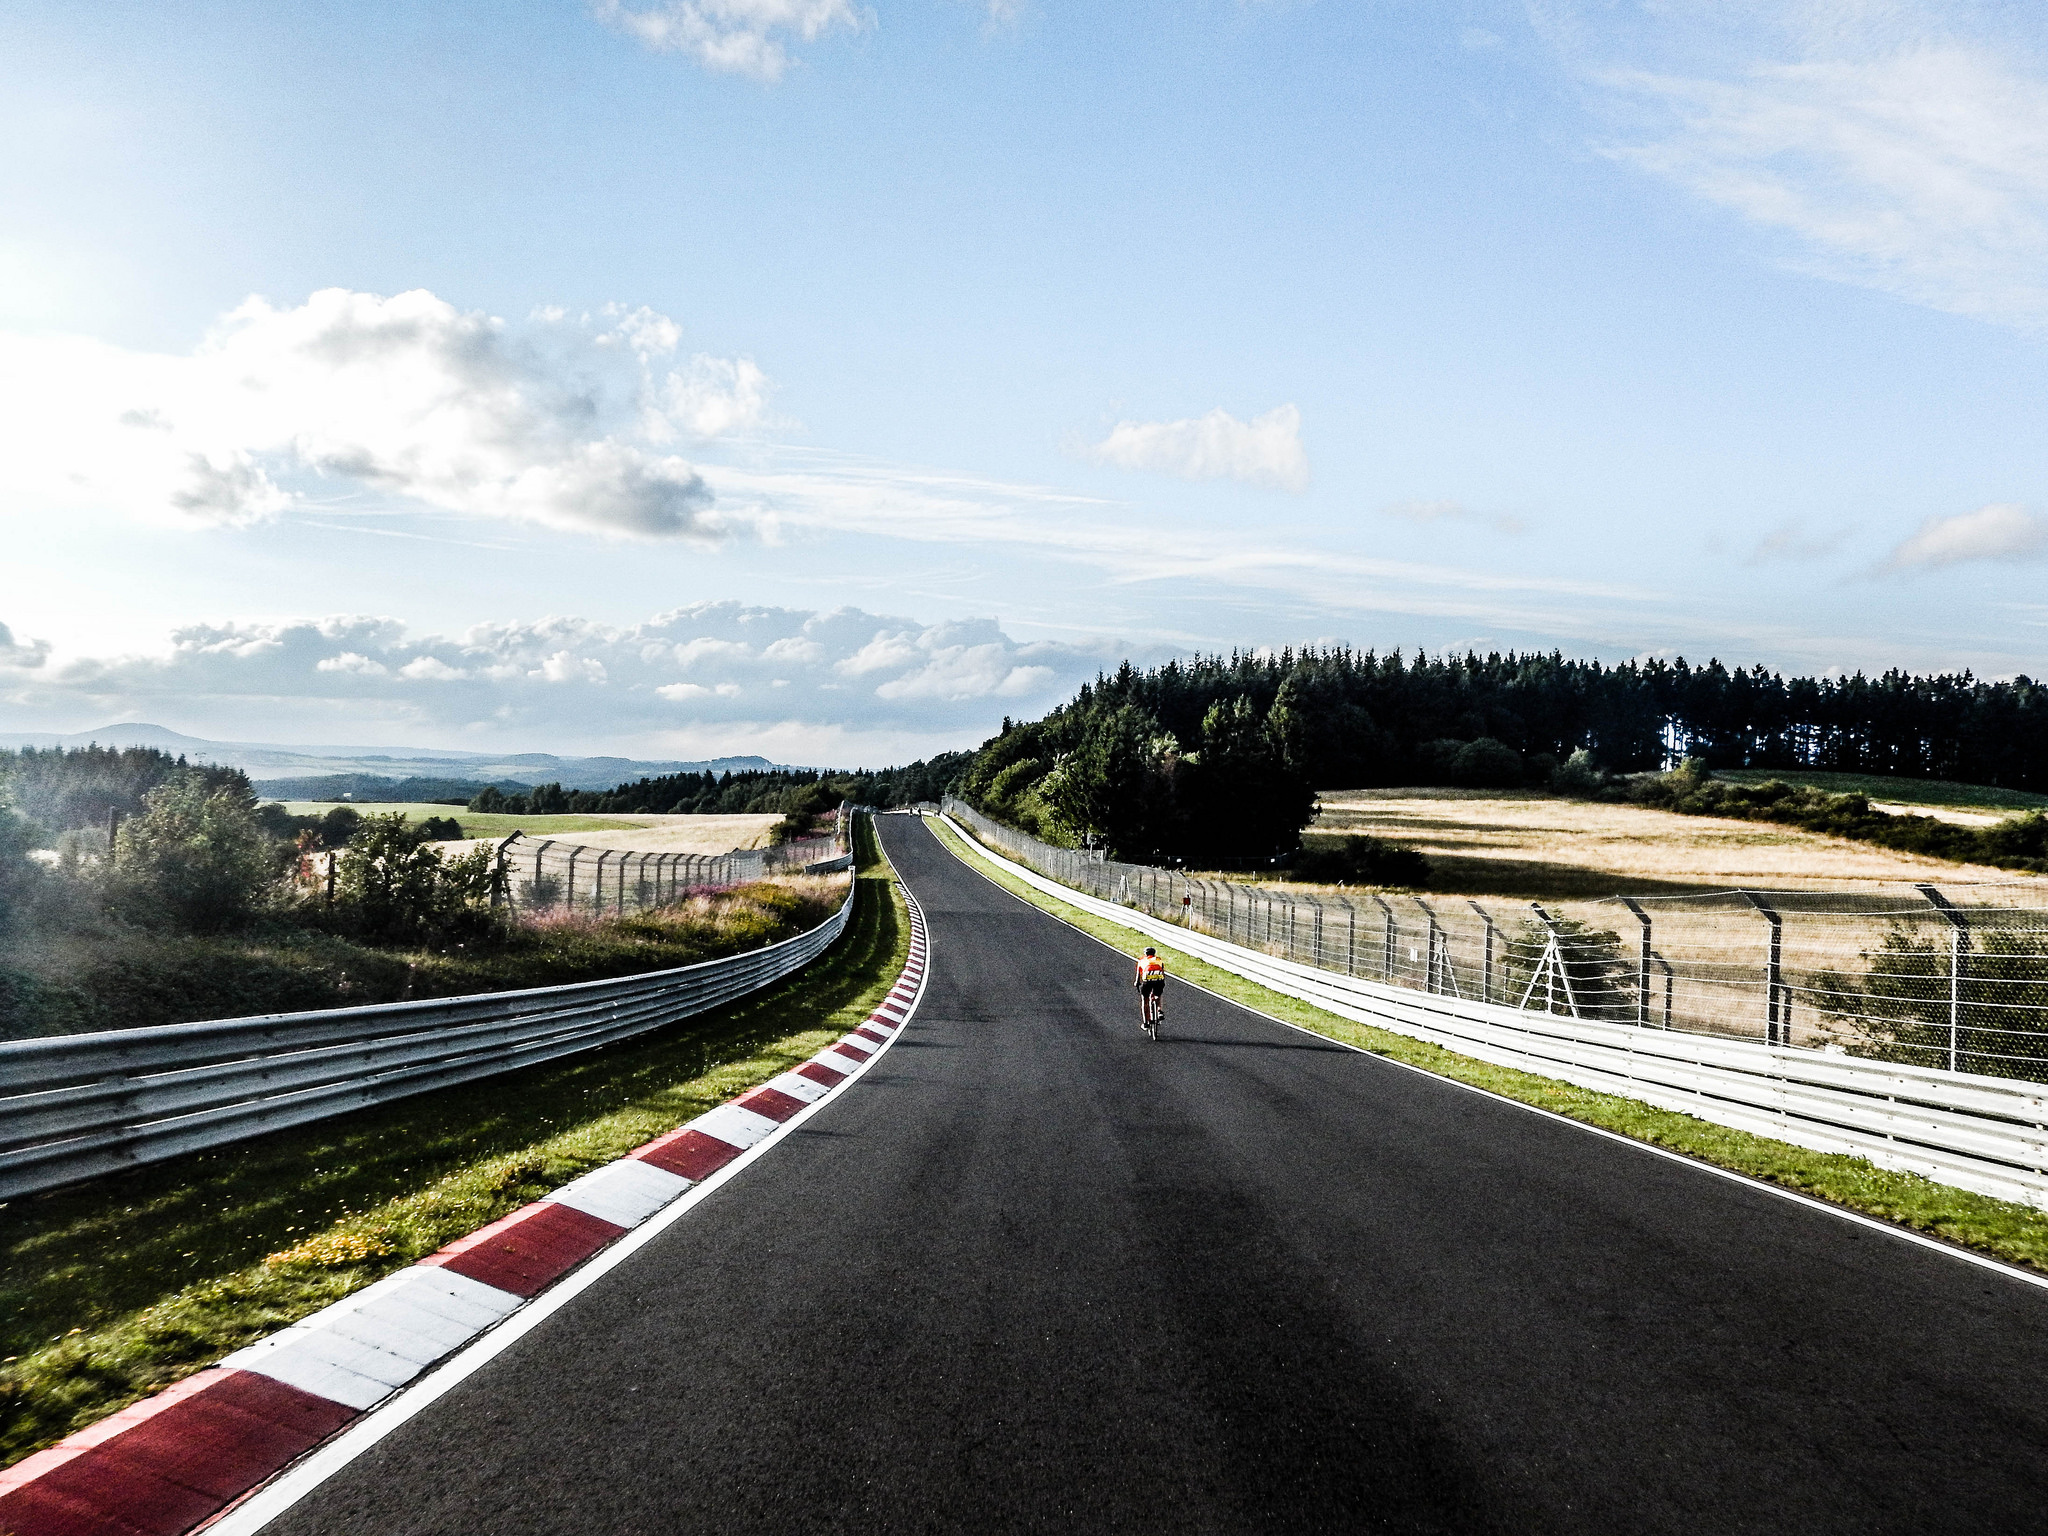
x=1642, y=963
x=1777, y=1018
x=1486, y=967
x=1958, y=947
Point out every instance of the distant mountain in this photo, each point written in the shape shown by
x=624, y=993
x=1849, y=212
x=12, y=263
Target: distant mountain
x=266, y=762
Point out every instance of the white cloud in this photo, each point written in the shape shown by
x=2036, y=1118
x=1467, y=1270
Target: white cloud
x=21, y=655
x=565, y=421
x=2001, y=531
x=351, y=661
x=695, y=671
x=1894, y=150
x=1263, y=451
x=430, y=669
x=1452, y=511
x=743, y=37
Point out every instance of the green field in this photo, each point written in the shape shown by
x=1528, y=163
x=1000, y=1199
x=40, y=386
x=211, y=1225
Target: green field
x=1937, y=794
x=474, y=824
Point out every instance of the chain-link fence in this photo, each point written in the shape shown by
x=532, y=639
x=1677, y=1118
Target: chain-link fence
x=1951, y=976
x=555, y=875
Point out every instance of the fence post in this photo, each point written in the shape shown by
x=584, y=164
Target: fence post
x=1486, y=966
x=1958, y=946
x=569, y=893
x=1775, y=1023
x=1386, y=949
x=1642, y=963
x=1350, y=938
x=501, y=873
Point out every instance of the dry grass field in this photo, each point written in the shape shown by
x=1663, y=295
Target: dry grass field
x=1511, y=843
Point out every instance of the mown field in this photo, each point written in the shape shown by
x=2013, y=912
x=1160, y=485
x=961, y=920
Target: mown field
x=1532, y=846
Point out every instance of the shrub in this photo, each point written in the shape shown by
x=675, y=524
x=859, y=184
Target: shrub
x=338, y=826
x=1486, y=764
x=1898, y=1009
x=1361, y=861
x=196, y=857
x=394, y=885
x=19, y=875
x=441, y=829
x=1579, y=776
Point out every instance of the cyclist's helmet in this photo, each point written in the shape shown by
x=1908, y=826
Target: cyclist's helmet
x=1148, y=949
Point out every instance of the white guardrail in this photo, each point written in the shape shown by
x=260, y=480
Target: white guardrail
x=1978, y=1133
x=76, y=1106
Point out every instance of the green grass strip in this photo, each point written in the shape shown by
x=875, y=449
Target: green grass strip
x=117, y=1288
x=2003, y=1229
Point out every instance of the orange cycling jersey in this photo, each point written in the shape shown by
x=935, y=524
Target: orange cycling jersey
x=1151, y=968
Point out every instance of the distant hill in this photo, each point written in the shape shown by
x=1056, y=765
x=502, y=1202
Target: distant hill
x=370, y=789
x=271, y=764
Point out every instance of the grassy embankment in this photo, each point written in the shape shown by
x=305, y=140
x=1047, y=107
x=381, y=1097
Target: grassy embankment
x=69, y=981
x=116, y=1288
x=2015, y=1233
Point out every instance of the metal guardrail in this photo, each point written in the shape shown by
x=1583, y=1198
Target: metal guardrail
x=1953, y=977
x=77, y=1106
x=1982, y=1133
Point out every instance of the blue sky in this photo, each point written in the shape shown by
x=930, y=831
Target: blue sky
x=830, y=379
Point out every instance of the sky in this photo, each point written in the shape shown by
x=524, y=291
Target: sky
x=830, y=379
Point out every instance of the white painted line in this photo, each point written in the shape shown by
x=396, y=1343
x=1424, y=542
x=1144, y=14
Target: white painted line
x=1810, y=1202
x=624, y=1193
x=257, y=1511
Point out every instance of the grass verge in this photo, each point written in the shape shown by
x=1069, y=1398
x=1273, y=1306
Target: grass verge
x=114, y=1289
x=2015, y=1233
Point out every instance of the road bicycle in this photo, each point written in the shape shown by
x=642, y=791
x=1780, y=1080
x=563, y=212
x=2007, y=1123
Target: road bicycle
x=1151, y=1007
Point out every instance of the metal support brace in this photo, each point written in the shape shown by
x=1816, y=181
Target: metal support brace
x=1552, y=968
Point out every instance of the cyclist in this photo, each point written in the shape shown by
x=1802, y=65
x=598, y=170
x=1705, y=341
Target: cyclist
x=1151, y=985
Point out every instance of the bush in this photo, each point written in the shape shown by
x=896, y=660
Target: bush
x=1579, y=776
x=394, y=885
x=1486, y=764
x=196, y=857
x=19, y=875
x=441, y=829
x=338, y=826
x=1361, y=861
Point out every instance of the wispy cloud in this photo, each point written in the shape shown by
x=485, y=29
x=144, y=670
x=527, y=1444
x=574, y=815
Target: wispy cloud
x=2002, y=531
x=1892, y=147
x=1266, y=450
x=1454, y=512
x=742, y=37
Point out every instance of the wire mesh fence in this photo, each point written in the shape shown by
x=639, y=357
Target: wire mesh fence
x=1944, y=976
x=556, y=875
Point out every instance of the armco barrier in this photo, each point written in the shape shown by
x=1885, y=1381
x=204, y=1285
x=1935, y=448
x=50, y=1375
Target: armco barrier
x=1988, y=1134
x=77, y=1106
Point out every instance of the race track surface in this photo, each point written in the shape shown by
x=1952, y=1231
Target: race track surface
x=1035, y=1272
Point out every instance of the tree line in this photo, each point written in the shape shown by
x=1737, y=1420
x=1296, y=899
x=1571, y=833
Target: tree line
x=777, y=791
x=1215, y=759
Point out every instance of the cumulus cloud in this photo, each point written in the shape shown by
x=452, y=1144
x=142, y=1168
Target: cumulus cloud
x=1263, y=451
x=696, y=671
x=742, y=37
x=2001, y=531
x=21, y=655
x=1892, y=146
x=568, y=421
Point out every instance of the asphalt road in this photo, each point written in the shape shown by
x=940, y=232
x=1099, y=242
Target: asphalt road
x=1035, y=1272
